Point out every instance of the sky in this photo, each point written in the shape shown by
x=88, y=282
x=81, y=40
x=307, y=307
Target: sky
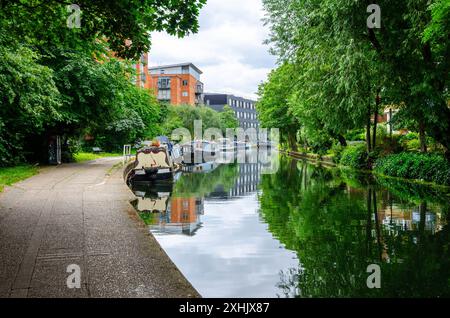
x=228, y=48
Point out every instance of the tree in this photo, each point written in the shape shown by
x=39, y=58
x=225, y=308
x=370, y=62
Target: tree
x=272, y=106
x=29, y=99
x=413, y=46
x=228, y=118
x=126, y=24
x=347, y=67
x=184, y=116
x=64, y=81
x=330, y=95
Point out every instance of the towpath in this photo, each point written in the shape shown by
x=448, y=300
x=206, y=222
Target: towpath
x=79, y=214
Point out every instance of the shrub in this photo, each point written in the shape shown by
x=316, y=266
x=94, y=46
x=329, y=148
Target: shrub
x=413, y=144
x=336, y=152
x=356, y=135
x=389, y=146
x=427, y=167
x=408, y=136
x=355, y=156
x=381, y=131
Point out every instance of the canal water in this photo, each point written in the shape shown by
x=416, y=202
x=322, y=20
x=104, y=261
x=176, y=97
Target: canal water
x=301, y=230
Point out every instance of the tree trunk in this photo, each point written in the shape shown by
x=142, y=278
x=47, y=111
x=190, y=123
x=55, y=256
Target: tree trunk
x=391, y=128
x=342, y=140
x=368, y=141
x=422, y=137
x=292, y=141
x=375, y=119
x=375, y=123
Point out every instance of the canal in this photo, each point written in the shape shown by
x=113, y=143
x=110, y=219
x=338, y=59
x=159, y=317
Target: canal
x=301, y=230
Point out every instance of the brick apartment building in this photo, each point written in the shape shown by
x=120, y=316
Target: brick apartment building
x=176, y=84
x=142, y=75
x=244, y=109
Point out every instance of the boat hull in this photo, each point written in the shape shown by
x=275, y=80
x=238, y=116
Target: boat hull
x=150, y=175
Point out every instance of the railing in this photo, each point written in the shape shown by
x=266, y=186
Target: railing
x=199, y=88
x=126, y=153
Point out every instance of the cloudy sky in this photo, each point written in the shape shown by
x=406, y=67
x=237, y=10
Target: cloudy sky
x=228, y=47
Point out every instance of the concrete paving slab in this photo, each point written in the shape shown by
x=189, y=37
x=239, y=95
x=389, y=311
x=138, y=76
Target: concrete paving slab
x=58, y=292
x=80, y=213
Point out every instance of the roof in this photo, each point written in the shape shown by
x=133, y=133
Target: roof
x=177, y=65
x=230, y=96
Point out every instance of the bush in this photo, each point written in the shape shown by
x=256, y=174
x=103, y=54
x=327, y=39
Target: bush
x=355, y=156
x=408, y=136
x=413, y=144
x=389, y=146
x=336, y=152
x=356, y=135
x=381, y=131
x=427, y=167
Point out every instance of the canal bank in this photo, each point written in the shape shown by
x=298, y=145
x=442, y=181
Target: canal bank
x=79, y=214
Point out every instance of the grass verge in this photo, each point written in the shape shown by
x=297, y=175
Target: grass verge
x=11, y=175
x=87, y=156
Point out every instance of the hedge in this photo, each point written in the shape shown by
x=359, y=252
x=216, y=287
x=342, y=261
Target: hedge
x=427, y=167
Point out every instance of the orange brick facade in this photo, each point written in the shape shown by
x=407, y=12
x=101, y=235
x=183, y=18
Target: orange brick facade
x=177, y=87
x=185, y=85
x=142, y=75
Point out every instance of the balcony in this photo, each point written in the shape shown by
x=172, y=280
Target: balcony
x=163, y=83
x=199, y=88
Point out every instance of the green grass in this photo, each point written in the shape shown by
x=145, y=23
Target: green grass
x=87, y=156
x=11, y=175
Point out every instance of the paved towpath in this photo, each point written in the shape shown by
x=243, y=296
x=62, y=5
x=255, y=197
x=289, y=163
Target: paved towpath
x=80, y=214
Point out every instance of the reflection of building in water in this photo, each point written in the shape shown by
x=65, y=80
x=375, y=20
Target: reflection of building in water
x=395, y=217
x=152, y=204
x=249, y=175
x=181, y=217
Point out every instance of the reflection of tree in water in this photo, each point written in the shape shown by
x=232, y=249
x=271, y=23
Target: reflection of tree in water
x=337, y=232
x=289, y=283
x=201, y=184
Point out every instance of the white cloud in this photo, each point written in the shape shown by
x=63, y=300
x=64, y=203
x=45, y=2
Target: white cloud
x=228, y=47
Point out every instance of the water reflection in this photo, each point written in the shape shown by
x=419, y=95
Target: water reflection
x=304, y=231
x=338, y=223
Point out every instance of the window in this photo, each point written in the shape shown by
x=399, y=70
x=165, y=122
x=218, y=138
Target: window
x=184, y=94
x=164, y=94
x=163, y=83
x=185, y=82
